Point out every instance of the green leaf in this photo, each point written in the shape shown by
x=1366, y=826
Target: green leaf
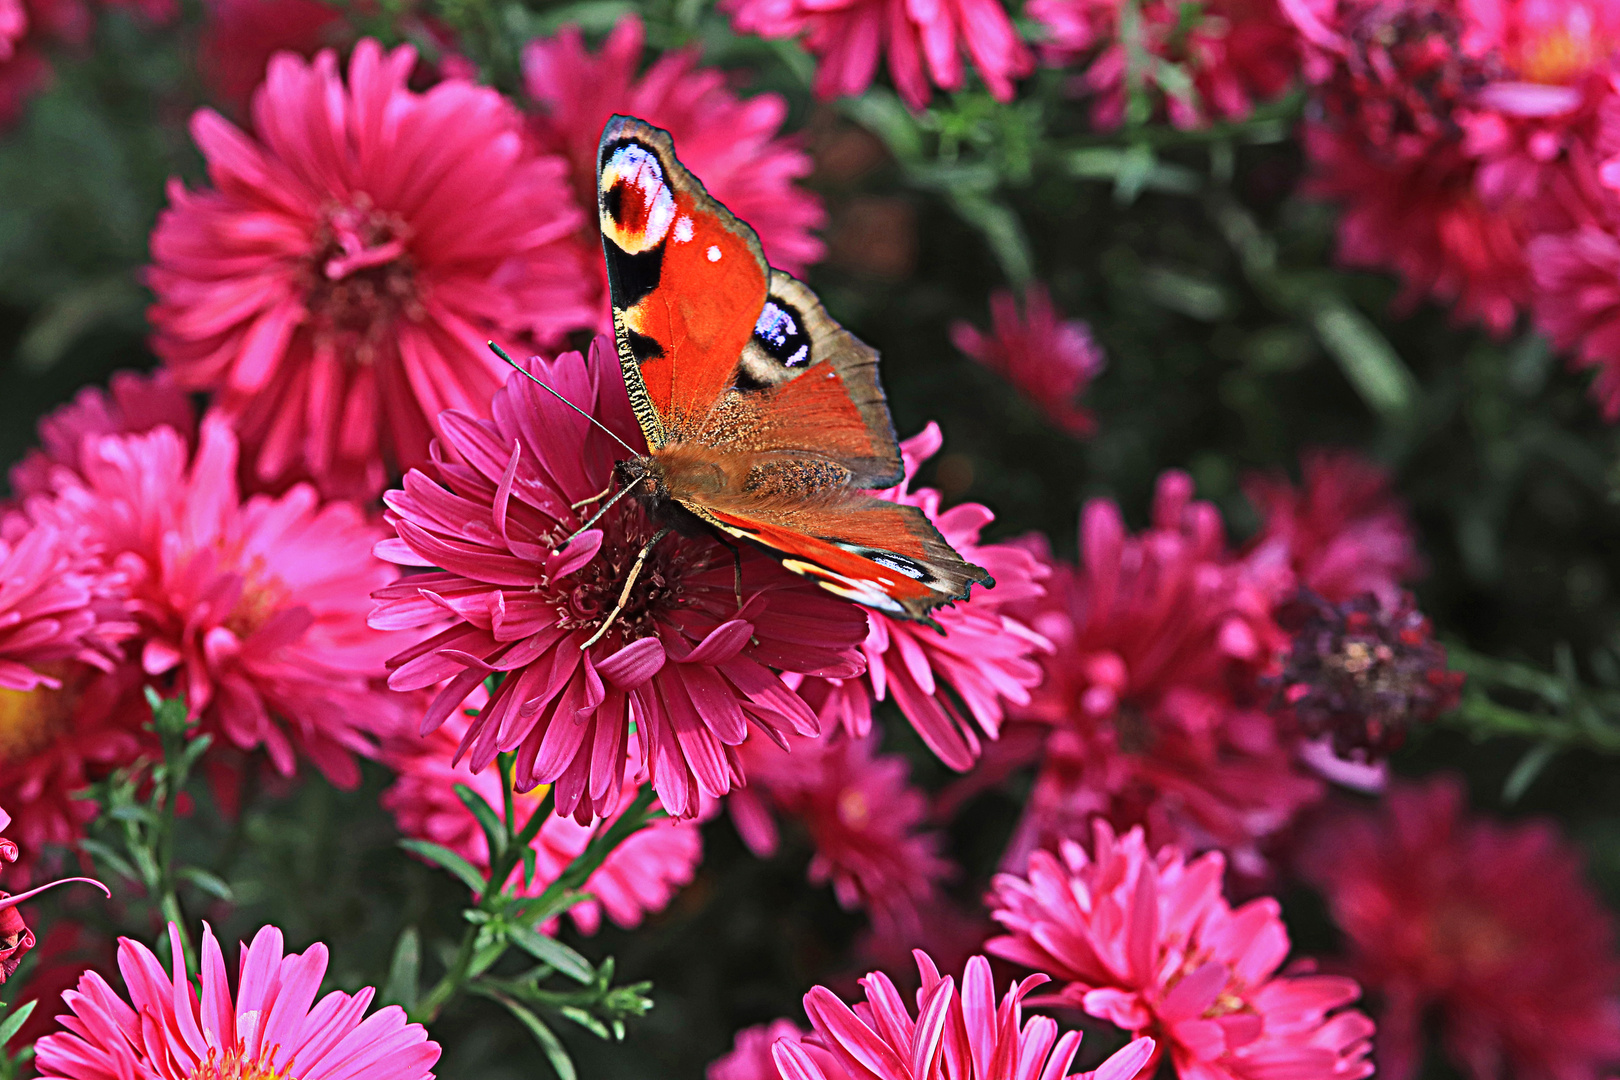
x=496, y=832
x=549, y=1043
x=1525, y=772
x=404, y=970
x=105, y=855
x=15, y=1021
x=1367, y=359
x=586, y=1021
x=549, y=950
x=443, y=857
x=209, y=883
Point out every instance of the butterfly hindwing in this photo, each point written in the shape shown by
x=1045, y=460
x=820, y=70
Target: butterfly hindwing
x=764, y=417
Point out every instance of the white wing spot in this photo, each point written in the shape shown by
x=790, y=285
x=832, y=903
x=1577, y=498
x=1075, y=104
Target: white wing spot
x=683, y=229
x=714, y=253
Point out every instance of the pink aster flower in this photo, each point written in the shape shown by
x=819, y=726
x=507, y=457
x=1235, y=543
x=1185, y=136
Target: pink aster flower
x=337, y=284
x=1049, y=360
x=1238, y=53
x=959, y=1032
x=253, y=609
x=1577, y=301
x=867, y=823
x=923, y=43
x=132, y=403
x=1342, y=533
x=1492, y=928
x=271, y=1026
x=240, y=36
x=1152, y=692
x=681, y=660
x=750, y=1058
x=640, y=877
x=59, y=601
x=985, y=656
x=1147, y=942
x=732, y=144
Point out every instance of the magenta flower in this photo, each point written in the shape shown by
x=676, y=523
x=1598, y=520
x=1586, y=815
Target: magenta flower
x=60, y=601
x=1577, y=300
x=751, y=1057
x=336, y=286
x=1147, y=942
x=1490, y=928
x=1049, y=360
x=1238, y=54
x=640, y=877
x=733, y=145
x=682, y=662
x=986, y=656
x=133, y=402
x=923, y=43
x=240, y=36
x=959, y=1032
x=1342, y=533
x=868, y=824
x=253, y=609
x=271, y=1026
x=1152, y=692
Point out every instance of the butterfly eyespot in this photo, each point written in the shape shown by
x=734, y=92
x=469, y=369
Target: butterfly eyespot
x=637, y=205
x=779, y=330
x=902, y=564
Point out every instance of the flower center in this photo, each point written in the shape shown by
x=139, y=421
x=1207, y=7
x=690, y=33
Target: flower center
x=263, y=594
x=854, y=809
x=234, y=1067
x=586, y=598
x=1468, y=939
x=29, y=719
x=360, y=279
x=1562, y=55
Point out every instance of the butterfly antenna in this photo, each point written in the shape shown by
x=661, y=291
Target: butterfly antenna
x=500, y=352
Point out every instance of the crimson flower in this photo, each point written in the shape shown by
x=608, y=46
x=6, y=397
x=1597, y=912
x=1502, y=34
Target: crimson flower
x=922, y=43
x=732, y=144
x=960, y=1032
x=639, y=877
x=1577, y=294
x=270, y=1026
x=1488, y=927
x=867, y=823
x=336, y=285
x=1048, y=359
x=681, y=661
x=1147, y=942
x=240, y=36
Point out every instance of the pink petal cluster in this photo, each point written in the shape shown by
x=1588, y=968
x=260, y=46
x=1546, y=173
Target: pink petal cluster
x=1048, y=359
x=60, y=601
x=253, y=609
x=1234, y=55
x=638, y=878
x=732, y=144
x=1152, y=694
x=682, y=662
x=1148, y=942
x=750, y=1058
x=959, y=1032
x=986, y=657
x=922, y=43
x=867, y=823
x=1342, y=533
x=1490, y=928
x=272, y=1025
x=335, y=287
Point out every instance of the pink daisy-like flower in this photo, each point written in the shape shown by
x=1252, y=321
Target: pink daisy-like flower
x=272, y=1026
x=1147, y=942
x=1152, y=691
x=985, y=656
x=1048, y=359
x=865, y=820
x=733, y=145
x=640, y=877
x=59, y=601
x=336, y=286
x=132, y=403
x=1237, y=53
x=1342, y=533
x=923, y=43
x=1577, y=301
x=750, y=1057
x=959, y=1032
x=680, y=661
x=1489, y=927
x=253, y=609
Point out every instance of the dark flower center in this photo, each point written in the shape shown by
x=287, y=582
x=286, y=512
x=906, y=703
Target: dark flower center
x=30, y=719
x=360, y=279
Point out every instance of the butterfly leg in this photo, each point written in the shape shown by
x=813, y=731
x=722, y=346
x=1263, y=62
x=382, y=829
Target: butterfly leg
x=594, y=518
x=629, y=583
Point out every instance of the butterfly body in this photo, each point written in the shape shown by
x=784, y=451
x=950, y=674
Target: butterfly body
x=764, y=418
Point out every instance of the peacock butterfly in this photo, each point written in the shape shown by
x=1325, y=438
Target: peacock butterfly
x=764, y=418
